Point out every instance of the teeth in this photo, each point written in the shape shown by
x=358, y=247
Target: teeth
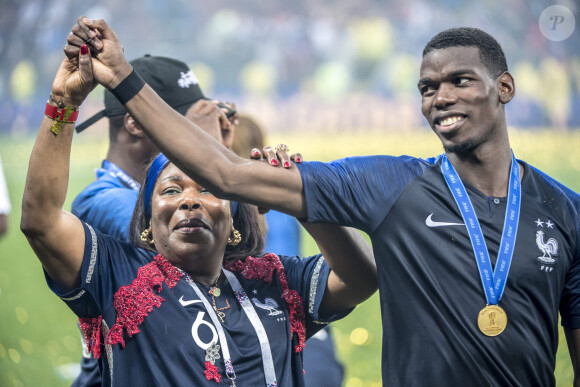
x=450, y=120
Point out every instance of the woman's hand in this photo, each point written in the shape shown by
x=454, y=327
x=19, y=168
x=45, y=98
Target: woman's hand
x=276, y=156
x=109, y=64
x=72, y=83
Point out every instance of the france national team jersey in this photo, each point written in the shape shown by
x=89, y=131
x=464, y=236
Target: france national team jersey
x=169, y=345
x=430, y=287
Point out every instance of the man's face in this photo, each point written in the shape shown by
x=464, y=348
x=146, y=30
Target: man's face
x=460, y=99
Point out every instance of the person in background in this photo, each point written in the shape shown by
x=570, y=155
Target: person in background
x=478, y=253
x=208, y=307
x=5, y=206
x=321, y=366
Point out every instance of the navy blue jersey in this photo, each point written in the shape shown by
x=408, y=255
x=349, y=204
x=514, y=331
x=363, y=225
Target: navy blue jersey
x=107, y=204
x=168, y=347
x=430, y=288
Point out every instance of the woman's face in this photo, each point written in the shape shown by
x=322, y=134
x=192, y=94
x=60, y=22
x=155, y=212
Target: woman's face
x=187, y=221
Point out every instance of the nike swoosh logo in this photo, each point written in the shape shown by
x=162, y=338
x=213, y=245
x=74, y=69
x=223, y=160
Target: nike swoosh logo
x=431, y=223
x=189, y=302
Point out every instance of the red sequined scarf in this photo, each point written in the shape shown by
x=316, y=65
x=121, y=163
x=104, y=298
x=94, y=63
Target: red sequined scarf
x=263, y=268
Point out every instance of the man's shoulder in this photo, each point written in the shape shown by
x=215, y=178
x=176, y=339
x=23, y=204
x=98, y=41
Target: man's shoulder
x=390, y=159
x=374, y=163
x=105, y=189
x=555, y=188
x=105, y=185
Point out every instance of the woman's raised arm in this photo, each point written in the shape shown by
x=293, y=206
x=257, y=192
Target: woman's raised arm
x=56, y=236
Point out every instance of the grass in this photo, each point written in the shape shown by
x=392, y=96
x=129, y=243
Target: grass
x=39, y=339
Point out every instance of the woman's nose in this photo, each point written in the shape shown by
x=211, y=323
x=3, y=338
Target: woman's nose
x=190, y=204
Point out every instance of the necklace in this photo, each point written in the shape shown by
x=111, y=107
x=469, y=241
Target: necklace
x=215, y=291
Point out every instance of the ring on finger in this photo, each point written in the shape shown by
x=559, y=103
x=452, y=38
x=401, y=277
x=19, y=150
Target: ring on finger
x=282, y=147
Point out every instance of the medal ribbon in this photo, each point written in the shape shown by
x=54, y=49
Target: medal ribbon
x=247, y=306
x=493, y=282
x=267, y=358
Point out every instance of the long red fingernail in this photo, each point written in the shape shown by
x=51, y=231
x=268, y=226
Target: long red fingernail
x=274, y=162
x=298, y=160
x=84, y=49
x=286, y=164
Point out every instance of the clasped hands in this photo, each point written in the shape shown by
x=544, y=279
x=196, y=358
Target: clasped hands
x=110, y=67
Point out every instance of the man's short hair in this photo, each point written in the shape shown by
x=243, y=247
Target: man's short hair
x=490, y=52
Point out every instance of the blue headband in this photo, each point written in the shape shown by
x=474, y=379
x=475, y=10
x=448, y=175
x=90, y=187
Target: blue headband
x=157, y=166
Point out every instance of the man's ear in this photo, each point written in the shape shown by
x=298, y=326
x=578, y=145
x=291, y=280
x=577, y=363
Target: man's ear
x=507, y=87
x=132, y=126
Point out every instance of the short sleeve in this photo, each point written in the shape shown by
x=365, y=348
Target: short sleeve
x=309, y=276
x=5, y=206
x=100, y=276
x=570, y=301
x=357, y=191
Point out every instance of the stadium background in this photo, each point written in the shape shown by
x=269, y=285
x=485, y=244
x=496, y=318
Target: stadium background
x=329, y=78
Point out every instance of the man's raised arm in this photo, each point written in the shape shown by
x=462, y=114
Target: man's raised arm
x=189, y=147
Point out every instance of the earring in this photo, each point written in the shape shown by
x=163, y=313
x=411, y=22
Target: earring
x=237, y=237
x=145, y=237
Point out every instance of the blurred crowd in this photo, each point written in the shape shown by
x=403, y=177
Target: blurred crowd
x=302, y=65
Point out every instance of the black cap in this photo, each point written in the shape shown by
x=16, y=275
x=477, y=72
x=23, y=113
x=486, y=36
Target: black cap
x=171, y=79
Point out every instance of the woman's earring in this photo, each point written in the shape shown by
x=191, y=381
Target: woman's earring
x=237, y=237
x=145, y=237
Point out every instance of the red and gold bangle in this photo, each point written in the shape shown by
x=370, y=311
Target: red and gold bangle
x=61, y=114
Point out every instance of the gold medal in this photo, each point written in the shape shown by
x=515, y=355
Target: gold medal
x=492, y=320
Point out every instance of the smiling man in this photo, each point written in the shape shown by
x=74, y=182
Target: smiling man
x=465, y=298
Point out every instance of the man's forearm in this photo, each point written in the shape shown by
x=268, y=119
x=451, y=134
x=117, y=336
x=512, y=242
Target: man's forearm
x=211, y=164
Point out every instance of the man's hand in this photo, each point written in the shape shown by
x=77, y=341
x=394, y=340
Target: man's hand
x=109, y=64
x=228, y=125
x=210, y=118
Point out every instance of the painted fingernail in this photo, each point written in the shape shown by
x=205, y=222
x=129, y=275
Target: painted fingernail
x=286, y=164
x=255, y=152
x=84, y=49
x=274, y=162
x=298, y=160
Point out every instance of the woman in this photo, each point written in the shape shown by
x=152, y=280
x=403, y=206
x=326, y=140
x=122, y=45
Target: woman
x=202, y=311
